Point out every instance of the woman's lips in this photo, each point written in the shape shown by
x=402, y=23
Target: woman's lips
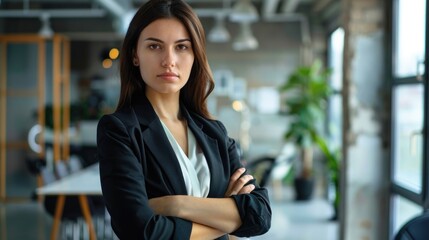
x=168, y=76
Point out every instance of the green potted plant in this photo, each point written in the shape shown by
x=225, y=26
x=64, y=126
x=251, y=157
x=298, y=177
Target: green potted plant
x=306, y=92
x=333, y=158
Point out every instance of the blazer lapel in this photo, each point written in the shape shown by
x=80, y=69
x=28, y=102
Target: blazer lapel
x=210, y=148
x=157, y=142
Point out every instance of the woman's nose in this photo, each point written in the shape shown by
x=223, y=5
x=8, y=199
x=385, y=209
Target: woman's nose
x=169, y=59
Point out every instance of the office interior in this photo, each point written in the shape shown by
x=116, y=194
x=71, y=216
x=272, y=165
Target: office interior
x=59, y=73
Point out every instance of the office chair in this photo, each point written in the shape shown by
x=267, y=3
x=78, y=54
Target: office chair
x=261, y=169
x=415, y=229
x=61, y=169
x=74, y=164
x=268, y=168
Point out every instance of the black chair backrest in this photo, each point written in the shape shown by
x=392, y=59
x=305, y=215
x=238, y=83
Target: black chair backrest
x=48, y=175
x=415, y=229
x=261, y=169
x=74, y=164
x=61, y=169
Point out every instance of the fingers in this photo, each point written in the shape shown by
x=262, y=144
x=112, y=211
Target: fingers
x=247, y=189
x=237, y=183
x=236, y=175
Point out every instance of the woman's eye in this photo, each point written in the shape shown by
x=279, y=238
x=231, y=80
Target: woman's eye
x=182, y=47
x=154, y=46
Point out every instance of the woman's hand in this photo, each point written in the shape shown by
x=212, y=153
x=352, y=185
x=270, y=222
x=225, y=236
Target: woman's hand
x=237, y=183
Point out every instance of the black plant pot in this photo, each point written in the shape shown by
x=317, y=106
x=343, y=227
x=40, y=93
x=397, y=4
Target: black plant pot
x=303, y=188
x=335, y=214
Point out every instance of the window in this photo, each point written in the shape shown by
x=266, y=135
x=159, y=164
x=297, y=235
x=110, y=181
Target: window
x=403, y=211
x=407, y=138
x=335, y=62
x=410, y=37
x=410, y=181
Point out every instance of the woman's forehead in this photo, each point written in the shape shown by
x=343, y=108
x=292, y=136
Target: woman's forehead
x=165, y=28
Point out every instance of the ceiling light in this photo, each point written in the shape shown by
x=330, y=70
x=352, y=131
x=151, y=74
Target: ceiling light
x=245, y=39
x=46, y=30
x=107, y=63
x=113, y=53
x=219, y=33
x=244, y=11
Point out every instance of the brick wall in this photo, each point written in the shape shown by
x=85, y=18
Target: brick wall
x=365, y=215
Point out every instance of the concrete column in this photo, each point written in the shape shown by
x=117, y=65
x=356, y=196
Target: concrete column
x=366, y=152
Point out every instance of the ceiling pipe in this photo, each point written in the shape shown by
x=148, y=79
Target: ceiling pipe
x=290, y=6
x=91, y=36
x=57, y=13
x=26, y=5
x=269, y=7
x=269, y=14
x=118, y=10
x=320, y=5
x=122, y=13
x=212, y=12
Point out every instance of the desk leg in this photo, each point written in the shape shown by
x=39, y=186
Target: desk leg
x=3, y=223
x=57, y=218
x=83, y=200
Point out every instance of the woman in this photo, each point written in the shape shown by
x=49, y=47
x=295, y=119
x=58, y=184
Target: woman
x=168, y=170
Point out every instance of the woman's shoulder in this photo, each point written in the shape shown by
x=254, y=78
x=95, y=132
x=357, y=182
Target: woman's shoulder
x=124, y=116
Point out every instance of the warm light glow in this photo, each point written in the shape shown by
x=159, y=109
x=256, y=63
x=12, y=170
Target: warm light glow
x=107, y=63
x=113, y=53
x=237, y=106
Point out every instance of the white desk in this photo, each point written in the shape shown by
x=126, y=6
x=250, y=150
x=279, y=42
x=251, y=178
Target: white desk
x=83, y=183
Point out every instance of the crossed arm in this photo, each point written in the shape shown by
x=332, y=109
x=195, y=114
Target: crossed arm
x=211, y=217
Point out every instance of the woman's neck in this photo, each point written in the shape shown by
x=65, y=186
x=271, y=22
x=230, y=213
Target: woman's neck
x=166, y=106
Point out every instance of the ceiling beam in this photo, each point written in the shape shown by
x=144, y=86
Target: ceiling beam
x=117, y=9
x=56, y=13
x=269, y=7
x=320, y=5
x=290, y=6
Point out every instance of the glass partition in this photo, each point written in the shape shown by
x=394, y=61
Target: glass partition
x=34, y=71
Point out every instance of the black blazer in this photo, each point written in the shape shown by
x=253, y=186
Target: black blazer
x=137, y=163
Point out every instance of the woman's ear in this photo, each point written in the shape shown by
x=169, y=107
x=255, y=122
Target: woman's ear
x=135, y=59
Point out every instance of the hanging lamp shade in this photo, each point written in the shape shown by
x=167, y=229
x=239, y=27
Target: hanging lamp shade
x=219, y=33
x=245, y=39
x=46, y=30
x=244, y=11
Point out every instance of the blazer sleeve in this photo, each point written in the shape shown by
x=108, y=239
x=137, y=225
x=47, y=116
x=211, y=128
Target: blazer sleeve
x=123, y=187
x=254, y=208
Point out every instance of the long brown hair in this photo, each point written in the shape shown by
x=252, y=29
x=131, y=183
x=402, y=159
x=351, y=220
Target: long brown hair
x=200, y=84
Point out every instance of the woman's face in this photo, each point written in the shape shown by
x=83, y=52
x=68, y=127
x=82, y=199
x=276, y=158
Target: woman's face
x=165, y=56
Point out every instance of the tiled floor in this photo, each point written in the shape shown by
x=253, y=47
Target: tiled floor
x=301, y=221
x=291, y=221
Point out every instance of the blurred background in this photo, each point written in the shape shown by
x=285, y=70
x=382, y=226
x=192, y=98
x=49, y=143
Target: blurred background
x=327, y=99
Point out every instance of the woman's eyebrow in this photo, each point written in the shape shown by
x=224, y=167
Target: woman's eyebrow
x=160, y=41
x=183, y=40
x=153, y=39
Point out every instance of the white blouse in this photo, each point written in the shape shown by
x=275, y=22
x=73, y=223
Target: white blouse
x=194, y=167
